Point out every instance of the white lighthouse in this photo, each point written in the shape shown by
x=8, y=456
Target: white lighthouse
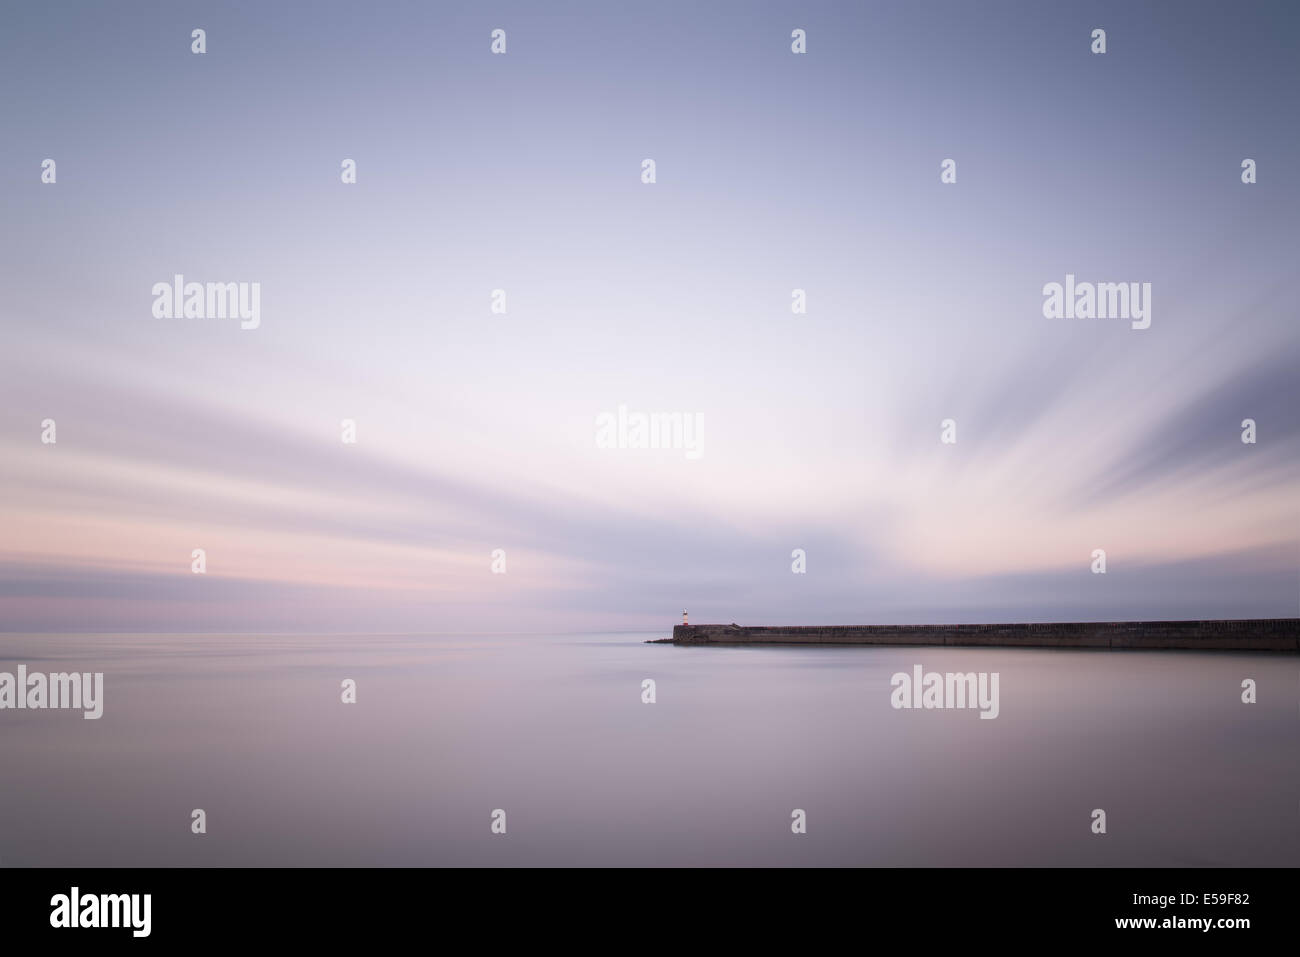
x=684, y=621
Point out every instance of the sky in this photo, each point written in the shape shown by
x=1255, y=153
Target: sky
x=774, y=171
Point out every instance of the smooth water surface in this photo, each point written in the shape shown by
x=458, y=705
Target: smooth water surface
x=552, y=729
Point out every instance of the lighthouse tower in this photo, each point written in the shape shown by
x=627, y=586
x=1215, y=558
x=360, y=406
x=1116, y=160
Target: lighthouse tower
x=684, y=621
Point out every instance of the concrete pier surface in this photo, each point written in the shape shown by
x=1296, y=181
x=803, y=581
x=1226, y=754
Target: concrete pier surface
x=1247, y=634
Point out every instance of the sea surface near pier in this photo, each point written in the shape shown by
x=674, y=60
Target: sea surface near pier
x=552, y=729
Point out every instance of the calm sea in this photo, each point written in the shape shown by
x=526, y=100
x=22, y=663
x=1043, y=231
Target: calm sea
x=553, y=731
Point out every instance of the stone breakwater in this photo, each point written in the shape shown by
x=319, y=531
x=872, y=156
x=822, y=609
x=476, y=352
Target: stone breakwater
x=1247, y=634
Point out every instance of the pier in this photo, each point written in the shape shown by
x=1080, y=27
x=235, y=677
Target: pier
x=1246, y=634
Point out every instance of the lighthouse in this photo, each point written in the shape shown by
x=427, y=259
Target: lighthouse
x=684, y=621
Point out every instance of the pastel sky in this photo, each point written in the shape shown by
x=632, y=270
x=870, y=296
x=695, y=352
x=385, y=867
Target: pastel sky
x=521, y=171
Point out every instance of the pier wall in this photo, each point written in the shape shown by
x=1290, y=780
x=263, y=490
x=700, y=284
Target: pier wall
x=1254, y=634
